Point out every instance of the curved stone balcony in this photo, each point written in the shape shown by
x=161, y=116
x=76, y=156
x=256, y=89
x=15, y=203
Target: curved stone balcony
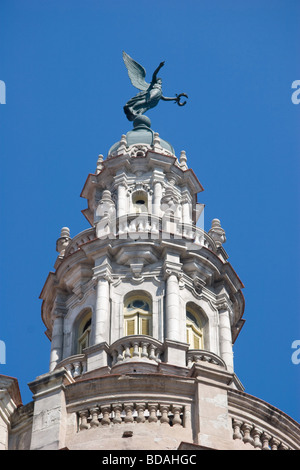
x=136, y=347
x=145, y=225
x=194, y=356
x=76, y=365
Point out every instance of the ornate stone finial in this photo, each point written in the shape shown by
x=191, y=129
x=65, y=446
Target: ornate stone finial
x=217, y=233
x=106, y=195
x=106, y=204
x=123, y=145
x=182, y=160
x=150, y=94
x=156, y=141
x=63, y=241
x=99, y=164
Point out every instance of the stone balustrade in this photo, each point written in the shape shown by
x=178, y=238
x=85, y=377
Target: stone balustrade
x=139, y=348
x=136, y=347
x=148, y=226
x=256, y=436
x=75, y=365
x=130, y=412
x=199, y=355
x=83, y=237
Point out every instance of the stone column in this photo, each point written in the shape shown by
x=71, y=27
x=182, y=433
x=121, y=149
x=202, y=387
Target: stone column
x=172, y=307
x=102, y=311
x=157, y=195
x=225, y=338
x=175, y=350
x=57, y=341
x=122, y=200
x=186, y=211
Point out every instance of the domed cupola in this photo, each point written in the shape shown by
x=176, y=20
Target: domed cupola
x=142, y=135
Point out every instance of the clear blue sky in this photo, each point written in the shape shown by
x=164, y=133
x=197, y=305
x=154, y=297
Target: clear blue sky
x=66, y=86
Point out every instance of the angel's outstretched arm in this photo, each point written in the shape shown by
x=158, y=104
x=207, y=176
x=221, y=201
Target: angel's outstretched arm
x=176, y=99
x=154, y=76
x=165, y=98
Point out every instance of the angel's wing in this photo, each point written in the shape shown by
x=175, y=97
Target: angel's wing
x=136, y=73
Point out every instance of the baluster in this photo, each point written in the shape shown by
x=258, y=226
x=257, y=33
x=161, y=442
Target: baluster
x=158, y=354
x=164, y=409
x=105, y=421
x=117, y=409
x=94, y=412
x=246, y=428
x=256, y=434
x=140, y=408
x=132, y=226
x=274, y=443
x=152, y=407
x=148, y=224
x=127, y=351
x=135, y=349
x=144, y=349
x=84, y=414
x=265, y=441
x=152, y=352
x=176, y=419
x=237, y=429
x=77, y=369
x=154, y=227
x=120, y=357
x=140, y=224
x=128, y=407
x=189, y=361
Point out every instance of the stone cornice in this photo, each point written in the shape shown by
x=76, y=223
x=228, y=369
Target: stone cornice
x=132, y=387
x=50, y=382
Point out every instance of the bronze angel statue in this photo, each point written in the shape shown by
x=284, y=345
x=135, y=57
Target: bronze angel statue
x=150, y=94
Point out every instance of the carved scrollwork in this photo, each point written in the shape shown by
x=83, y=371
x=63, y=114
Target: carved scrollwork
x=138, y=151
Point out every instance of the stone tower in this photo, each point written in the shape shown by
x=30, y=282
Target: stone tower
x=142, y=311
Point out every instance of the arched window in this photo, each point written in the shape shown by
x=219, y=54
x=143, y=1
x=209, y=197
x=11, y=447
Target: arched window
x=84, y=332
x=140, y=201
x=194, y=332
x=137, y=316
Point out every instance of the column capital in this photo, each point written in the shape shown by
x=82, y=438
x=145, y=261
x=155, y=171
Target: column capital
x=170, y=269
x=103, y=271
x=120, y=180
x=172, y=264
x=223, y=306
x=157, y=177
x=60, y=309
